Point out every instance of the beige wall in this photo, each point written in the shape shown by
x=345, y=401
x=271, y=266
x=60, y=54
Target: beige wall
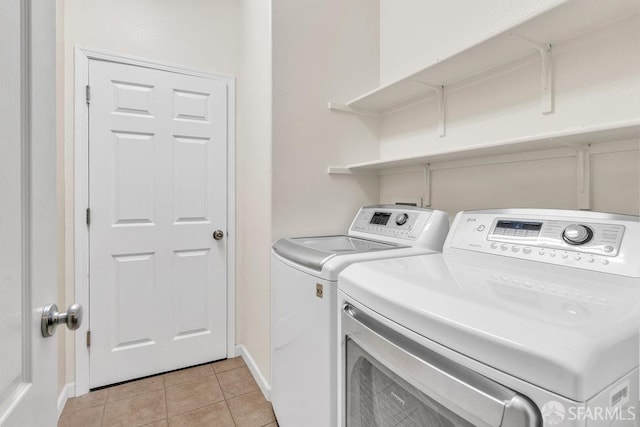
x=595, y=82
x=525, y=182
x=322, y=51
x=200, y=34
x=253, y=203
x=417, y=33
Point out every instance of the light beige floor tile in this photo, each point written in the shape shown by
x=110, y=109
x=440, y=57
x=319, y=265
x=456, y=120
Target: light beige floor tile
x=94, y=398
x=133, y=388
x=228, y=364
x=217, y=415
x=273, y=424
x=193, y=395
x=236, y=382
x=136, y=410
x=87, y=417
x=184, y=375
x=251, y=410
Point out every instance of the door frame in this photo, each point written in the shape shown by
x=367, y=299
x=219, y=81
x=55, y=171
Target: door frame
x=81, y=194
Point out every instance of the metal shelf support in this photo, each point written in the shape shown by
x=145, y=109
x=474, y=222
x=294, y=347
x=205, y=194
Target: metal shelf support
x=583, y=163
x=426, y=197
x=546, y=73
x=440, y=105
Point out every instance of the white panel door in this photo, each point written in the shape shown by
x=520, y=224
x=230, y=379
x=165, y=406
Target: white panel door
x=28, y=226
x=157, y=193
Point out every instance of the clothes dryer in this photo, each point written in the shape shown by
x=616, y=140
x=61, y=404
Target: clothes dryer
x=529, y=317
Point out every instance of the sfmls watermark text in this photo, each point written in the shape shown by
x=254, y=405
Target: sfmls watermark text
x=554, y=413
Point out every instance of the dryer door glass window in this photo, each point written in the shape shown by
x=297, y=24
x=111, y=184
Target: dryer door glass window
x=377, y=397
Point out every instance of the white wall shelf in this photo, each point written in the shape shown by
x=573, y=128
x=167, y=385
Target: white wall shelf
x=576, y=138
x=537, y=34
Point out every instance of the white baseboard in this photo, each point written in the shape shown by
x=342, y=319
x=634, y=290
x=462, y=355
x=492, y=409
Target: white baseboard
x=67, y=391
x=265, y=387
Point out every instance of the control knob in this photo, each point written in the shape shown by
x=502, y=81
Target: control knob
x=402, y=218
x=576, y=234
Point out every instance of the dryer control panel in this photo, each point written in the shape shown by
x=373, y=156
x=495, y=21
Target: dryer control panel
x=587, y=240
x=402, y=224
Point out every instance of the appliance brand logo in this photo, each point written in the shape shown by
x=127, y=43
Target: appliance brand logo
x=553, y=412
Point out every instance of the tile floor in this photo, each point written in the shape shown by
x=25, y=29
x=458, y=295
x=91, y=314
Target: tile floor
x=218, y=394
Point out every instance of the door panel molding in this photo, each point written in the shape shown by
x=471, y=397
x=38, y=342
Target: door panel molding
x=81, y=192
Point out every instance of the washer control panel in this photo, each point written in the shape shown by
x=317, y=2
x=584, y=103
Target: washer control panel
x=588, y=240
x=401, y=224
x=585, y=237
x=394, y=222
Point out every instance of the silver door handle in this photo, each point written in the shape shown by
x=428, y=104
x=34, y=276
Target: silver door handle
x=218, y=234
x=51, y=318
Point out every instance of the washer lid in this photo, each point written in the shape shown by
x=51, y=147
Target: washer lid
x=313, y=252
x=562, y=329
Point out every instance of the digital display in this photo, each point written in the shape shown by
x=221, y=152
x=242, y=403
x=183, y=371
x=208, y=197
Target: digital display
x=380, y=218
x=518, y=228
x=517, y=225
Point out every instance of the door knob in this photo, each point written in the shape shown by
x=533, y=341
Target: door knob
x=218, y=234
x=52, y=318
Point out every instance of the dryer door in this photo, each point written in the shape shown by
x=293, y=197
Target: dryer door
x=391, y=381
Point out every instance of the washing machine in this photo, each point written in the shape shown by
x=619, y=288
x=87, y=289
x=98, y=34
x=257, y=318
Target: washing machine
x=529, y=317
x=304, y=272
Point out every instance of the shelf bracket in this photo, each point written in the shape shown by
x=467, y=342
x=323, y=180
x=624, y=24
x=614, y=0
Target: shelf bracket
x=426, y=197
x=333, y=170
x=440, y=95
x=546, y=79
x=335, y=106
x=583, y=163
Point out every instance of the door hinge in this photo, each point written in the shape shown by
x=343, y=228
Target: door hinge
x=88, y=93
x=88, y=216
x=89, y=338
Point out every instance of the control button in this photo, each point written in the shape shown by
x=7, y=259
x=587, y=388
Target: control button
x=591, y=259
x=553, y=254
x=565, y=255
x=494, y=246
x=605, y=262
x=541, y=252
x=527, y=284
x=504, y=247
x=480, y=227
x=608, y=248
x=577, y=234
x=402, y=218
x=515, y=249
x=577, y=257
x=527, y=250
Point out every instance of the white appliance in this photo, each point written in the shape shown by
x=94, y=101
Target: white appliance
x=528, y=318
x=304, y=272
